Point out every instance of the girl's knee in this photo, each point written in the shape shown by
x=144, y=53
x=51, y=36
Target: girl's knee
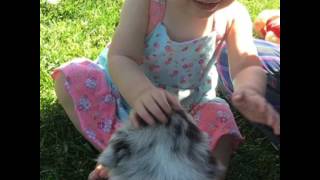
x=223, y=151
x=60, y=89
x=65, y=99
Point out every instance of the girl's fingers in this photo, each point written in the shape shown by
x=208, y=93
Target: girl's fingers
x=133, y=118
x=100, y=172
x=162, y=101
x=103, y=173
x=276, y=125
x=93, y=175
x=270, y=118
x=239, y=99
x=173, y=101
x=276, y=128
x=273, y=119
x=144, y=114
x=154, y=110
x=263, y=106
x=237, y=96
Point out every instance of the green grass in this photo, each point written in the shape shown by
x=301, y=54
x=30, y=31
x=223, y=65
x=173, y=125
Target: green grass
x=76, y=28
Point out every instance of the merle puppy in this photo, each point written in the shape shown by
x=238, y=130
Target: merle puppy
x=177, y=150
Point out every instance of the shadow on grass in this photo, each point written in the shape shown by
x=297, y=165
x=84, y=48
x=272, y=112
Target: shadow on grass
x=65, y=154
x=256, y=158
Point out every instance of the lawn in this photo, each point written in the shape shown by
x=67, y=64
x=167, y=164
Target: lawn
x=74, y=28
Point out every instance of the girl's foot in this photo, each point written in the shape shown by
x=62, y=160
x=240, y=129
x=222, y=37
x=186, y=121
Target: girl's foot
x=99, y=173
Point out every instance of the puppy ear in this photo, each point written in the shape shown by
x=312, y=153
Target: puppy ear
x=107, y=158
x=118, y=148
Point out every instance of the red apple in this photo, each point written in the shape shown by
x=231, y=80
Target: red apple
x=272, y=37
x=261, y=20
x=273, y=24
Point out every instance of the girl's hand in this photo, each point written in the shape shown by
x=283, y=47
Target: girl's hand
x=153, y=105
x=255, y=107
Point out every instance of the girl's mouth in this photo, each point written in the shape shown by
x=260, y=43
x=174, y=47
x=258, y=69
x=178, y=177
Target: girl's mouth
x=209, y=6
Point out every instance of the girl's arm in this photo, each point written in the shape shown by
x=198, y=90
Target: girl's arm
x=245, y=67
x=249, y=77
x=126, y=52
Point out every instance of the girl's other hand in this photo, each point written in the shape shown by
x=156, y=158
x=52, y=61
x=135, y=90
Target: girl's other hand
x=255, y=107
